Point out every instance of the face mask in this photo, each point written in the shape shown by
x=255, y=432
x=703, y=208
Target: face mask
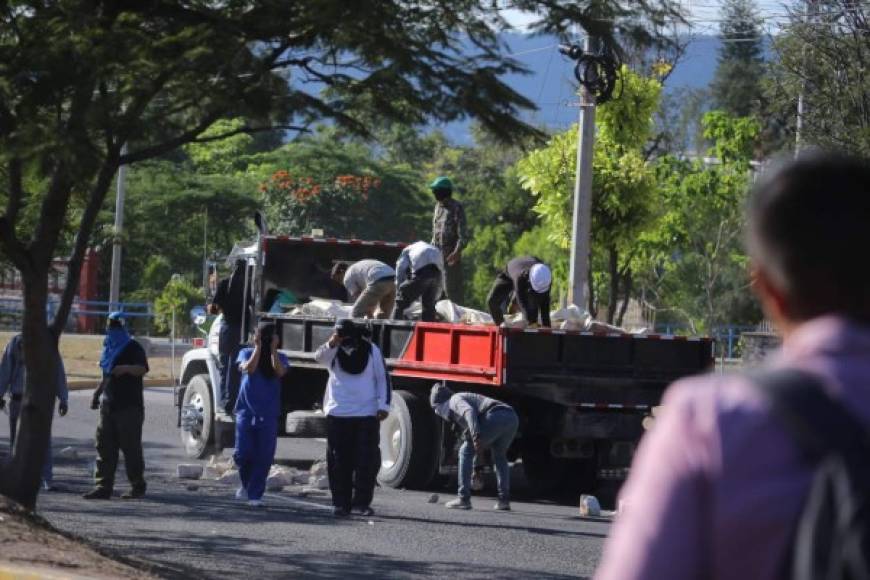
x=440, y=194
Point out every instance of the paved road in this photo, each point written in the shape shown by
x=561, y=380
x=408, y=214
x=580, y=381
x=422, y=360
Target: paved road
x=206, y=533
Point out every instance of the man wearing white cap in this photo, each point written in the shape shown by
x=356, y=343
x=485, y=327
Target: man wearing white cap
x=529, y=279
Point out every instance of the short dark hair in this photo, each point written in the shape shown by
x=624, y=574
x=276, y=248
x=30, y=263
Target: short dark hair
x=807, y=221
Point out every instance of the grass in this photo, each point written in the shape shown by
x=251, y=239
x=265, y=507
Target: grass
x=81, y=357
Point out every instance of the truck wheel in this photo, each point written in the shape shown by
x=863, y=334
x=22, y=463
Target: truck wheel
x=197, y=419
x=408, y=442
x=305, y=424
x=547, y=474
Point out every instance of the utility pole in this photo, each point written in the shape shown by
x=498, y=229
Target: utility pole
x=582, y=226
x=801, y=105
x=115, y=280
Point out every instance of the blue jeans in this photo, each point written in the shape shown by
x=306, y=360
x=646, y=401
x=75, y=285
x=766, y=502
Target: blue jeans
x=14, y=412
x=497, y=430
x=256, y=441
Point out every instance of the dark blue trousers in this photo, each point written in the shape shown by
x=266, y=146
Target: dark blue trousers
x=256, y=439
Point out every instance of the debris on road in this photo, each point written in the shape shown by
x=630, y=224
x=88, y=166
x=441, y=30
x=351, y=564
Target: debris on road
x=318, y=478
x=68, y=453
x=231, y=477
x=589, y=506
x=216, y=467
x=189, y=471
x=192, y=487
x=433, y=498
x=280, y=477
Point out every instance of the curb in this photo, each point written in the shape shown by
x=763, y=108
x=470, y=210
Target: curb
x=90, y=384
x=13, y=572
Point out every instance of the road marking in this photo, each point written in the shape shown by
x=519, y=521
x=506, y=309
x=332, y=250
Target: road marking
x=299, y=501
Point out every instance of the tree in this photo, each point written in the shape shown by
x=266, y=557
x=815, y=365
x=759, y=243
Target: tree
x=175, y=302
x=86, y=86
x=736, y=85
x=822, y=57
x=698, y=269
x=623, y=190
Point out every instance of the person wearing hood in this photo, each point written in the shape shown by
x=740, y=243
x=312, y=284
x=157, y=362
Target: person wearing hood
x=450, y=235
x=487, y=424
x=122, y=411
x=357, y=397
x=257, y=410
x=229, y=300
x=12, y=378
x=529, y=279
x=419, y=274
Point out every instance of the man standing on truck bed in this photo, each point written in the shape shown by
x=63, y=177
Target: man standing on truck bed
x=529, y=279
x=725, y=484
x=419, y=274
x=122, y=411
x=371, y=284
x=229, y=300
x=486, y=423
x=450, y=235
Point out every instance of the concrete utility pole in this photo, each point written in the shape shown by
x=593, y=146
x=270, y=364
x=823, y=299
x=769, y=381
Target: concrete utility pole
x=582, y=228
x=115, y=280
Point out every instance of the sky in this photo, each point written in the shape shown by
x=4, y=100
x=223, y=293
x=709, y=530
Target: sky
x=703, y=15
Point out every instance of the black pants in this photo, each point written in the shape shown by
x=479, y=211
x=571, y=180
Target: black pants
x=228, y=347
x=499, y=298
x=120, y=430
x=425, y=284
x=352, y=459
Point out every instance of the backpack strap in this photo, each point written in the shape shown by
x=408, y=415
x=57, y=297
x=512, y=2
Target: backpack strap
x=817, y=422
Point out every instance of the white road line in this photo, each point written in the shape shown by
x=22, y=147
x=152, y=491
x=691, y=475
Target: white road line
x=299, y=501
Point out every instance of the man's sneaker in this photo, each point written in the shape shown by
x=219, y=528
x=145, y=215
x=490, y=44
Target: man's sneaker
x=98, y=493
x=240, y=493
x=502, y=506
x=458, y=504
x=340, y=512
x=255, y=503
x=365, y=511
x=134, y=493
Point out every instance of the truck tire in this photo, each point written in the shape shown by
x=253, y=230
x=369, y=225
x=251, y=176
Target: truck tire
x=546, y=474
x=305, y=424
x=197, y=418
x=408, y=443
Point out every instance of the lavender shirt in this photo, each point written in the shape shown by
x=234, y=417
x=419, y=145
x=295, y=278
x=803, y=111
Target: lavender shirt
x=717, y=485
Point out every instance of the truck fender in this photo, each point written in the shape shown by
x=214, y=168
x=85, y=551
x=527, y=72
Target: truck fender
x=200, y=361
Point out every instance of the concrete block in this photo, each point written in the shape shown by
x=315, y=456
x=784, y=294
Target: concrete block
x=231, y=477
x=189, y=471
x=589, y=506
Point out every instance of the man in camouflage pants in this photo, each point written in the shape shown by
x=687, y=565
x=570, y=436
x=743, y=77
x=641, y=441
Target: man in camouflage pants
x=449, y=234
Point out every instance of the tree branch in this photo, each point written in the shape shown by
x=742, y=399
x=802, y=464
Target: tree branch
x=83, y=236
x=250, y=130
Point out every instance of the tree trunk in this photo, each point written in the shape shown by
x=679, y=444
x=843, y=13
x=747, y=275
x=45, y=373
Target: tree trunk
x=613, y=272
x=20, y=476
x=627, y=285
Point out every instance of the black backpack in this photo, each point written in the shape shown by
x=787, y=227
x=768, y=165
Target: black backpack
x=832, y=539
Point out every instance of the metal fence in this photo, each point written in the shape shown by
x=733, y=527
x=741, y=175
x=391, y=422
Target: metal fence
x=86, y=317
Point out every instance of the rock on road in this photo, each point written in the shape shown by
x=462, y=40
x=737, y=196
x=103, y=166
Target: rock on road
x=206, y=533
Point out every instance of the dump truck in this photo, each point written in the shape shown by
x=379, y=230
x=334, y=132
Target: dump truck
x=581, y=397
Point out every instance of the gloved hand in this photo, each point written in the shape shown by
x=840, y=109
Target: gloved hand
x=95, y=402
x=2, y=403
x=62, y=408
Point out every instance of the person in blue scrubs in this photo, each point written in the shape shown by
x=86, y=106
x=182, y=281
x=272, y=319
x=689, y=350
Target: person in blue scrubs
x=257, y=410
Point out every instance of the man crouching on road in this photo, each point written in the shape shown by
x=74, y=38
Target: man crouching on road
x=488, y=423
x=122, y=411
x=357, y=397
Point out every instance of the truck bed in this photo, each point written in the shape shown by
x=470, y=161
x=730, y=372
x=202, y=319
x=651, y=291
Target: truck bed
x=534, y=361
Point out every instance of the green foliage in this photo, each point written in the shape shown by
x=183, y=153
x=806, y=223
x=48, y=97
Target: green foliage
x=178, y=296
x=698, y=271
x=822, y=58
x=221, y=156
x=736, y=85
x=623, y=186
x=340, y=186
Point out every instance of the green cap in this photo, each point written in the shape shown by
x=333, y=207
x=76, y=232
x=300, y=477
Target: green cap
x=441, y=182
